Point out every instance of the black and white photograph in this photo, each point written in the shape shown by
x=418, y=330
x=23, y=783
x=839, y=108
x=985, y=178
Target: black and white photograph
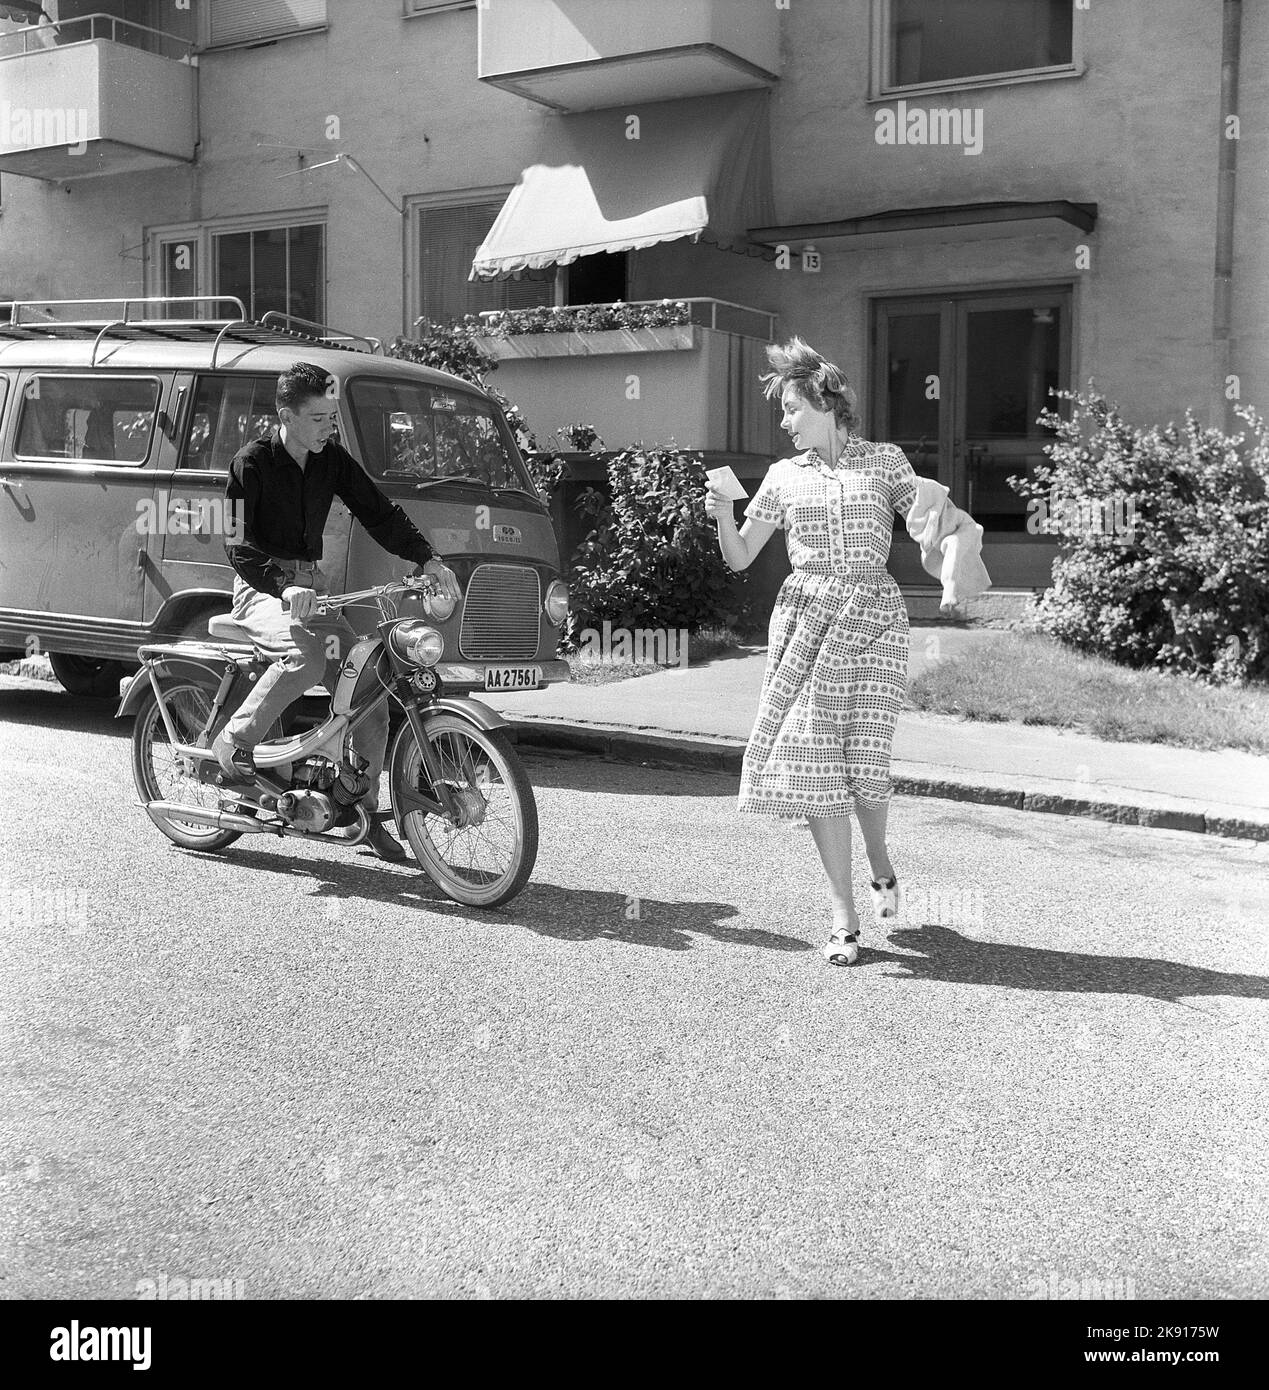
x=634, y=663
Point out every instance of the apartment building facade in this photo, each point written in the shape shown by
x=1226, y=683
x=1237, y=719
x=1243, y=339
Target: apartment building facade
x=965, y=203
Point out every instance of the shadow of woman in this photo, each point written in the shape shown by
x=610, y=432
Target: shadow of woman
x=566, y=914
x=953, y=958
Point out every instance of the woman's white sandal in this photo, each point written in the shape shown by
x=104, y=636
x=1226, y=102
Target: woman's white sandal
x=886, y=900
x=842, y=947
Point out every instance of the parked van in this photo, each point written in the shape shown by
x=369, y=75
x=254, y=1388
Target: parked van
x=116, y=434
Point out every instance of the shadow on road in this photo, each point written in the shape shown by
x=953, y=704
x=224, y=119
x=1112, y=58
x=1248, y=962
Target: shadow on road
x=51, y=707
x=566, y=914
x=953, y=958
x=580, y=772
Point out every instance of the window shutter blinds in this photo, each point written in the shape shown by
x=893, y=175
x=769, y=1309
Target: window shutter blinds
x=448, y=240
x=237, y=21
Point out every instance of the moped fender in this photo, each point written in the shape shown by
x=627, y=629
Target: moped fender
x=466, y=708
x=205, y=672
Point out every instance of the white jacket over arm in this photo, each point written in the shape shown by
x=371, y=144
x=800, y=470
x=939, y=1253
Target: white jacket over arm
x=951, y=540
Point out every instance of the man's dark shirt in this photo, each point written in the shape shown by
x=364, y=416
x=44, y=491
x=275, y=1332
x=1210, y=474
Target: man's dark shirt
x=284, y=509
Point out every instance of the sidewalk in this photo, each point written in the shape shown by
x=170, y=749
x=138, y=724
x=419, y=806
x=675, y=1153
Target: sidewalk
x=701, y=717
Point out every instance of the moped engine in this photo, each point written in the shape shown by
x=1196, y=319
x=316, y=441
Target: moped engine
x=307, y=810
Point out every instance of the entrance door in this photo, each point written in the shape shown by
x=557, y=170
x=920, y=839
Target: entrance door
x=959, y=382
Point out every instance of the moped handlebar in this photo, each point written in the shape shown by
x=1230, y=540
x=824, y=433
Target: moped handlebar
x=382, y=593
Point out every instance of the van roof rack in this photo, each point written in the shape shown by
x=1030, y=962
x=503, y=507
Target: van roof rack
x=145, y=319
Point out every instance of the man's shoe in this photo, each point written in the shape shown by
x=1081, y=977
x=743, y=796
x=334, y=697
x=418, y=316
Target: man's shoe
x=235, y=762
x=381, y=840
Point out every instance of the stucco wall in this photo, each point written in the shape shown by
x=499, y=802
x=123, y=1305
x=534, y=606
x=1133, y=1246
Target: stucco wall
x=1136, y=133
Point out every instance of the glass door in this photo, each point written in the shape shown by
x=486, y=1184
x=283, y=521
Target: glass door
x=958, y=383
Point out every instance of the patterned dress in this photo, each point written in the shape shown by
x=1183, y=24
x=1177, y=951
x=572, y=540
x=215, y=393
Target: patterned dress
x=837, y=660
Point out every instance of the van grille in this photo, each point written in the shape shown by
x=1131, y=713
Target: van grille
x=501, y=614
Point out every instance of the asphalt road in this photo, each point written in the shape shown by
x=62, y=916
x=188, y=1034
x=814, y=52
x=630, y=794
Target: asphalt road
x=304, y=1070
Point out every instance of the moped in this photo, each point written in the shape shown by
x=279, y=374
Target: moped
x=459, y=793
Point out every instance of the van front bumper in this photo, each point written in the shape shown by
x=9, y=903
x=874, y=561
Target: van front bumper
x=470, y=675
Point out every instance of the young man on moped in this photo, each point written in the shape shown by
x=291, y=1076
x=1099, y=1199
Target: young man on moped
x=280, y=488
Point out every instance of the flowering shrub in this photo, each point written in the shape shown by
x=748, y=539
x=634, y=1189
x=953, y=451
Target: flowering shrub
x=651, y=558
x=581, y=318
x=1185, y=585
x=580, y=438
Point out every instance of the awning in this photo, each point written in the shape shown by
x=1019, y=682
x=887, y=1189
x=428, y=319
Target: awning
x=699, y=163
x=1009, y=216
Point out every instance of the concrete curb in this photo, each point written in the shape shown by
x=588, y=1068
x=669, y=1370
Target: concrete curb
x=723, y=755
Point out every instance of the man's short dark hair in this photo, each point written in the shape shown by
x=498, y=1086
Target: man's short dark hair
x=301, y=383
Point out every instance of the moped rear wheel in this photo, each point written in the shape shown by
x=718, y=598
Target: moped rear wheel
x=485, y=856
x=161, y=775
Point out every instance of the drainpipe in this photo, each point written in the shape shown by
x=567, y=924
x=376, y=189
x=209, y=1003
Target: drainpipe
x=1222, y=413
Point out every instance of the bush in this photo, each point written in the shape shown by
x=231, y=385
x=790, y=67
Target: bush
x=1165, y=556
x=651, y=558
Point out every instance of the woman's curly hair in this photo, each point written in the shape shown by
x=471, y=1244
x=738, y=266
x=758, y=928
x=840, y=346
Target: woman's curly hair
x=821, y=383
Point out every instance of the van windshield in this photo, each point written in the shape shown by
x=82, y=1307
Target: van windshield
x=411, y=432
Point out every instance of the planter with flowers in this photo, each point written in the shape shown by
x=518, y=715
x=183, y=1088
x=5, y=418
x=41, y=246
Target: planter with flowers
x=585, y=330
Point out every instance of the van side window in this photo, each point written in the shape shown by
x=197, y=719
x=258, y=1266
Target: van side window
x=4, y=393
x=97, y=418
x=229, y=412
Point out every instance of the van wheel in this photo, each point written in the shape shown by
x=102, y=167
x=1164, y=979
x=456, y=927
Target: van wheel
x=88, y=675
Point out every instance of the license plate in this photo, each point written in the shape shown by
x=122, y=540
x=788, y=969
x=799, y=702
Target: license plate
x=513, y=677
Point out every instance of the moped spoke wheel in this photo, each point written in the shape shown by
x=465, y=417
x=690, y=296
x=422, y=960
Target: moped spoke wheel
x=484, y=854
x=162, y=775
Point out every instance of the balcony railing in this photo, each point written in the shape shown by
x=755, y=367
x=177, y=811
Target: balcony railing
x=95, y=95
x=719, y=314
x=695, y=382
x=38, y=38
x=575, y=55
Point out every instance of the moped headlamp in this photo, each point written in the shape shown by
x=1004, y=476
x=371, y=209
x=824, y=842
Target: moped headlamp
x=556, y=602
x=417, y=643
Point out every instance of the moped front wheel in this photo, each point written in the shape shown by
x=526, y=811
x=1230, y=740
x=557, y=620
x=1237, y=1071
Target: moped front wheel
x=483, y=855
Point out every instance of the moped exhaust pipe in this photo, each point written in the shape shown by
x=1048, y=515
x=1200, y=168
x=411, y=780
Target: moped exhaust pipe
x=249, y=825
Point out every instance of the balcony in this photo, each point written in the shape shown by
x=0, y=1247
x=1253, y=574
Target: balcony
x=695, y=383
x=576, y=55
x=94, y=95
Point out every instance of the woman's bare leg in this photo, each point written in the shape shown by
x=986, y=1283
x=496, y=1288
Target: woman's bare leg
x=832, y=839
x=872, y=825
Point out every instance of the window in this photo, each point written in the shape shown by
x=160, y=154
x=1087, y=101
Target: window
x=105, y=419
x=4, y=392
x=178, y=274
x=229, y=412
x=241, y=21
x=447, y=238
x=946, y=41
x=274, y=268
x=412, y=433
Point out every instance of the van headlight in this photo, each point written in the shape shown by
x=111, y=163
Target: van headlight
x=417, y=643
x=556, y=602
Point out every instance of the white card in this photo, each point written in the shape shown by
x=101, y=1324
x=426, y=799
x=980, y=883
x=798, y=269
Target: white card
x=727, y=482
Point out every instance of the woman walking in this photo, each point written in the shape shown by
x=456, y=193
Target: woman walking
x=837, y=659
